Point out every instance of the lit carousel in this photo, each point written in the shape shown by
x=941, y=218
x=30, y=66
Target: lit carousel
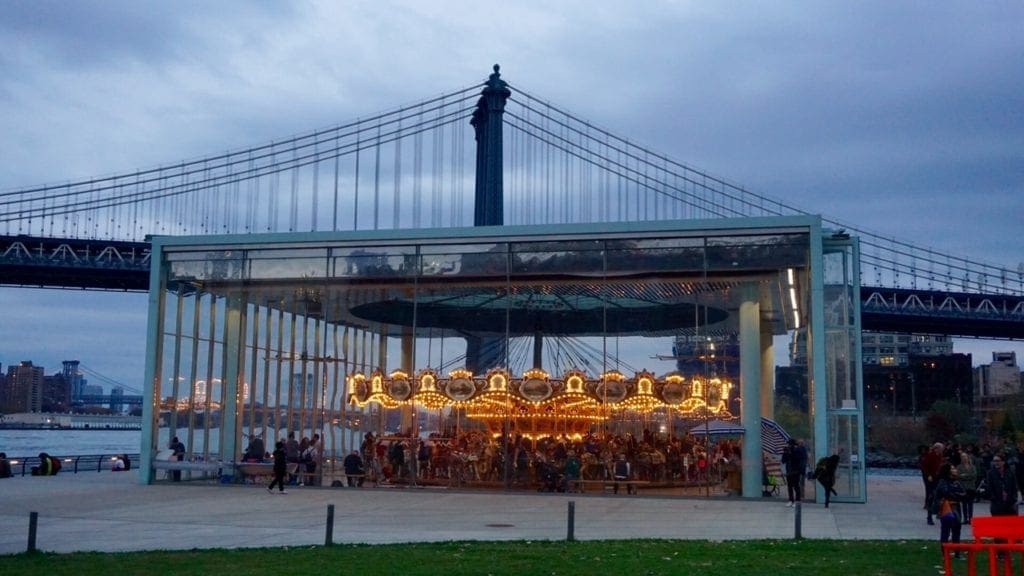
x=537, y=405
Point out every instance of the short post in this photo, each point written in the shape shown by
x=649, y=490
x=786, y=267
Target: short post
x=572, y=521
x=33, y=521
x=796, y=521
x=329, y=536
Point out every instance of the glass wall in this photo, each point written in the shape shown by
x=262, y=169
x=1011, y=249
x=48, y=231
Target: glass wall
x=844, y=390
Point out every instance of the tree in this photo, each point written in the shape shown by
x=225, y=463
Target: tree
x=791, y=419
x=949, y=417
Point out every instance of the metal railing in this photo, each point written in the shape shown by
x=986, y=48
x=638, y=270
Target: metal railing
x=22, y=466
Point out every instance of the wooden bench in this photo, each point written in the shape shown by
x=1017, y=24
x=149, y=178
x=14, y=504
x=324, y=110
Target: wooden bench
x=986, y=529
x=579, y=485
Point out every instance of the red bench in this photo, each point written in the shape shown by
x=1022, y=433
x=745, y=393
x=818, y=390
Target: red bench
x=1008, y=529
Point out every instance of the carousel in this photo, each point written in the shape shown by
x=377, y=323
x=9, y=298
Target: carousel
x=536, y=405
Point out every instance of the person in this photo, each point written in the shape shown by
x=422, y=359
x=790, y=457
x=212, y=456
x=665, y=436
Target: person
x=622, y=471
x=255, y=451
x=1002, y=488
x=794, y=458
x=5, y=466
x=280, y=468
x=572, y=468
x=946, y=504
x=118, y=465
x=825, y=474
x=179, y=455
x=311, y=458
x=48, y=465
x=354, y=471
x=423, y=455
x=929, y=463
x=292, y=454
x=967, y=472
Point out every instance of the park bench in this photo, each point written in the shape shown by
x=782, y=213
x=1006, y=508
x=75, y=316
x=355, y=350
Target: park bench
x=1008, y=530
x=580, y=485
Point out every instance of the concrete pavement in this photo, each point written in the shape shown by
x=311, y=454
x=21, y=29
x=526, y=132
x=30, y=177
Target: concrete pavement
x=111, y=512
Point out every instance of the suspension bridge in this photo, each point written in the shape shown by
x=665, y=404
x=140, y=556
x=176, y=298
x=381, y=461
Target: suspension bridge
x=428, y=165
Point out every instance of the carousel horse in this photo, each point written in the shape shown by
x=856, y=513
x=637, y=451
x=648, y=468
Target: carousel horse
x=439, y=461
x=643, y=464
x=591, y=467
x=657, y=465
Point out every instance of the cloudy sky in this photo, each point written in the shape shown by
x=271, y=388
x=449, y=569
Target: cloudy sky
x=905, y=118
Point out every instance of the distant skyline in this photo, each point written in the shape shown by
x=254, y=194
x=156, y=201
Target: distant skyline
x=905, y=118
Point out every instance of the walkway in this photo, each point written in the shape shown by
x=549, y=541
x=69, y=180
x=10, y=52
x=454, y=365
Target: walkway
x=111, y=512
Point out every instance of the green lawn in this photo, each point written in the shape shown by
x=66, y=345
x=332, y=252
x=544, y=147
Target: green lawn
x=618, y=557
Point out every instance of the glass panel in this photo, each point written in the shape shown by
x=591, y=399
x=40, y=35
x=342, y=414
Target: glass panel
x=374, y=261
x=556, y=258
x=640, y=260
x=844, y=439
x=465, y=259
x=841, y=373
x=212, y=266
x=757, y=252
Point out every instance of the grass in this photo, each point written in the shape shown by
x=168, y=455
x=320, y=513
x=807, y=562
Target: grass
x=549, y=558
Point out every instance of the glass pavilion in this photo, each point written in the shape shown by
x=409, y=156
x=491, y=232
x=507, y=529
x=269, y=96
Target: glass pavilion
x=534, y=330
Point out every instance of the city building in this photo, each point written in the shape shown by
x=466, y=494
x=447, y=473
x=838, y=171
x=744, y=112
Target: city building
x=893, y=349
x=56, y=394
x=299, y=395
x=23, y=391
x=996, y=381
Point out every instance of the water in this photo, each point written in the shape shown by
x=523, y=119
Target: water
x=22, y=443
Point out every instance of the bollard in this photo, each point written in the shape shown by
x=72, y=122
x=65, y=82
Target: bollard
x=329, y=536
x=796, y=522
x=572, y=521
x=33, y=520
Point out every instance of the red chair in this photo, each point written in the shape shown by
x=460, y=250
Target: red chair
x=1009, y=530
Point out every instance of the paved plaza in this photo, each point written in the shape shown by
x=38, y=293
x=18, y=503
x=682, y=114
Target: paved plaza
x=112, y=512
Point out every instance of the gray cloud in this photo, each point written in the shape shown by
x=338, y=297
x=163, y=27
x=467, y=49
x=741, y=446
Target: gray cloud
x=903, y=118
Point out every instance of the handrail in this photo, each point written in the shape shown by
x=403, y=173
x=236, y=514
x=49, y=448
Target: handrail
x=72, y=464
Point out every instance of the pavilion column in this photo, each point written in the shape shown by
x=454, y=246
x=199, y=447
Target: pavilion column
x=750, y=383
x=408, y=412
x=767, y=372
x=233, y=374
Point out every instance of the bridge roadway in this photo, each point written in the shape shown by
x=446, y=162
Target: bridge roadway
x=111, y=512
x=111, y=265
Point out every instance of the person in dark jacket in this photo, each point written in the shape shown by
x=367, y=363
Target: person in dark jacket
x=825, y=474
x=929, y=463
x=1002, y=488
x=354, y=471
x=794, y=458
x=946, y=504
x=5, y=466
x=280, y=468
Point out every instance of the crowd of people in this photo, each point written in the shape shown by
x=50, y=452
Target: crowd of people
x=550, y=463
x=957, y=477
x=299, y=460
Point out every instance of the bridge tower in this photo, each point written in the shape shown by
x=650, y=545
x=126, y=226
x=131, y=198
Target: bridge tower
x=73, y=379
x=487, y=121
x=484, y=352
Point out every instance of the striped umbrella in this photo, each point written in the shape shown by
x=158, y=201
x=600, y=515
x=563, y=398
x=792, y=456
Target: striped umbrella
x=773, y=436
